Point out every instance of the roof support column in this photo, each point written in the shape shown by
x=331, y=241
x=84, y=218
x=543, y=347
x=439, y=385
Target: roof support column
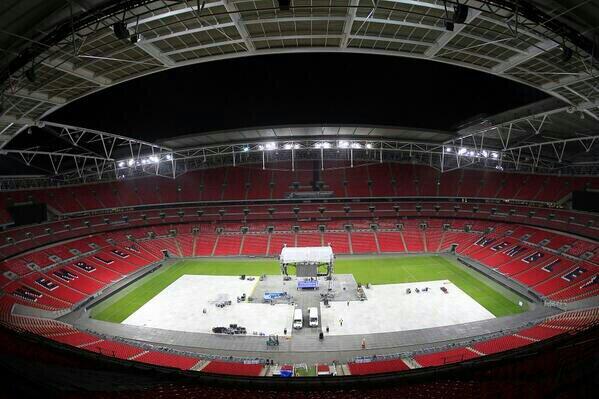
x=235, y=16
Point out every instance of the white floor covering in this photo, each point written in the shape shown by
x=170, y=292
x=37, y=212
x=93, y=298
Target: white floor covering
x=389, y=308
x=180, y=307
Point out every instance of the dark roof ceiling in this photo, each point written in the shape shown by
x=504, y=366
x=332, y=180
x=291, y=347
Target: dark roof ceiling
x=87, y=58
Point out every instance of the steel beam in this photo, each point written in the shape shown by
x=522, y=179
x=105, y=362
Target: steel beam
x=99, y=134
x=57, y=154
x=349, y=22
x=82, y=73
x=188, y=32
x=235, y=16
x=36, y=96
x=16, y=120
x=172, y=13
x=155, y=53
x=531, y=53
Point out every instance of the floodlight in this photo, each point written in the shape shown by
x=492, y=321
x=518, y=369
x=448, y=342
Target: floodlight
x=131, y=162
x=343, y=144
x=462, y=151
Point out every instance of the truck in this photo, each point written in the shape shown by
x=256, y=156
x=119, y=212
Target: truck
x=298, y=319
x=313, y=314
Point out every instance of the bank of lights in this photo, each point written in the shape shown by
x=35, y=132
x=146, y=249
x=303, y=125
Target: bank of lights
x=323, y=144
x=463, y=151
x=152, y=159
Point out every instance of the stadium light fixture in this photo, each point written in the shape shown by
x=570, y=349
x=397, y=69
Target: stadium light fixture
x=356, y=145
x=462, y=151
x=323, y=144
x=121, y=164
x=368, y=145
x=447, y=149
x=153, y=159
x=494, y=155
x=288, y=146
x=246, y=149
x=169, y=157
x=485, y=153
x=296, y=146
x=271, y=146
x=343, y=144
x=131, y=162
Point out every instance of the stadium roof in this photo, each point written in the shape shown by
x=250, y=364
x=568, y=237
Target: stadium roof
x=55, y=52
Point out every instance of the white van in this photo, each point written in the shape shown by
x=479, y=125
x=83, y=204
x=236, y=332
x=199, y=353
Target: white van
x=313, y=314
x=298, y=319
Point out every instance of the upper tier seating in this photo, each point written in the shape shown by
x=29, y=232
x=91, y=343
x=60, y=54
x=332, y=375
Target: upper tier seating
x=252, y=182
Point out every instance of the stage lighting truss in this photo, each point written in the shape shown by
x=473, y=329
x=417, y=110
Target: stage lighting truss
x=102, y=156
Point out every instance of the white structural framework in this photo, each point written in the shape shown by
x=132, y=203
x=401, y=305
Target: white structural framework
x=498, y=38
x=307, y=254
x=306, y=260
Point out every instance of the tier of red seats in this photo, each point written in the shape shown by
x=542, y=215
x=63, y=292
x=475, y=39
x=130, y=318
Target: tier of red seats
x=377, y=367
x=228, y=245
x=391, y=242
x=167, y=360
x=218, y=367
x=446, y=357
x=540, y=332
x=551, y=275
x=66, y=334
x=363, y=243
x=20, y=241
x=113, y=349
x=501, y=344
x=241, y=182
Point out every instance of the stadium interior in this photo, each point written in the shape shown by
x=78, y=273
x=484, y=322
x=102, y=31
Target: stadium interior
x=448, y=250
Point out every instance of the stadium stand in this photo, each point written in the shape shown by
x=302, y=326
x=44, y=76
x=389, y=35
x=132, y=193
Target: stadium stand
x=446, y=357
x=228, y=368
x=385, y=366
x=167, y=360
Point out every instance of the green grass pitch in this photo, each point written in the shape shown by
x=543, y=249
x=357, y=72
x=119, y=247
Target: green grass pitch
x=375, y=270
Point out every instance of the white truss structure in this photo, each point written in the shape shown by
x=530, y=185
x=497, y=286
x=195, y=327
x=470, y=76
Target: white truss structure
x=105, y=156
x=173, y=34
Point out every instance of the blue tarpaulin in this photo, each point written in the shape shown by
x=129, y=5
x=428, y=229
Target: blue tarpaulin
x=273, y=295
x=307, y=283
